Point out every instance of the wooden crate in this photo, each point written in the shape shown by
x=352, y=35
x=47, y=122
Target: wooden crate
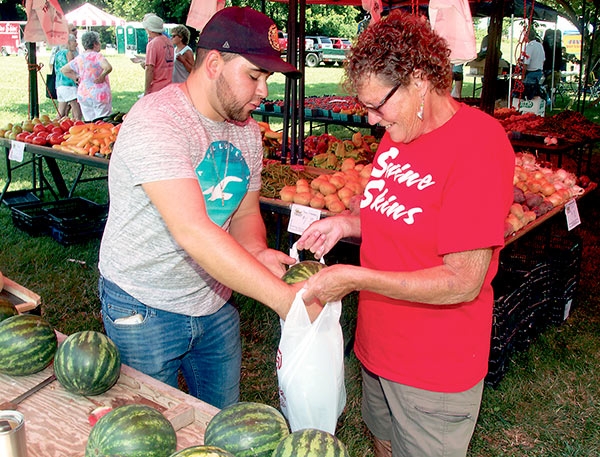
x=24, y=299
x=56, y=421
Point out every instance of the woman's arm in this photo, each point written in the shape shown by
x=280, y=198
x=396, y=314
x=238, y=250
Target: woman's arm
x=187, y=59
x=106, y=69
x=457, y=280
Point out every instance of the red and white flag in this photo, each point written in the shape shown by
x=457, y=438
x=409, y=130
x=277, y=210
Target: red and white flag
x=45, y=22
x=201, y=11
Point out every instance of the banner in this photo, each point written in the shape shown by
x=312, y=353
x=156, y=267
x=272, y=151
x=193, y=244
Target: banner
x=201, y=11
x=45, y=22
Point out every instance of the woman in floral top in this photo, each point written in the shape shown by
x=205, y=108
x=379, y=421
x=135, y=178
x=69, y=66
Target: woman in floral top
x=90, y=72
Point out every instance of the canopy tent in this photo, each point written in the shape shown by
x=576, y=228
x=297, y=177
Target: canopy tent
x=90, y=16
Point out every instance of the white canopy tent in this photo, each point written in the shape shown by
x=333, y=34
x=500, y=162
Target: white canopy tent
x=90, y=16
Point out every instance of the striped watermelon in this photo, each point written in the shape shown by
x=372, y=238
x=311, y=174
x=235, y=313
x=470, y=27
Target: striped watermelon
x=87, y=363
x=247, y=429
x=310, y=442
x=302, y=271
x=27, y=344
x=202, y=451
x=7, y=309
x=132, y=431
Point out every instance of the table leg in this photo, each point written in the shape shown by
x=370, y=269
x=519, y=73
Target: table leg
x=57, y=176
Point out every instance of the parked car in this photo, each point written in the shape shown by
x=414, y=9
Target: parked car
x=341, y=43
x=319, y=49
x=283, y=41
x=320, y=42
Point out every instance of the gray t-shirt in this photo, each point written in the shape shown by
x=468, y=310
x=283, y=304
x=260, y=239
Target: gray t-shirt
x=165, y=137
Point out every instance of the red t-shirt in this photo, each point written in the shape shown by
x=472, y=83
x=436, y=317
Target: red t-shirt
x=159, y=53
x=447, y=191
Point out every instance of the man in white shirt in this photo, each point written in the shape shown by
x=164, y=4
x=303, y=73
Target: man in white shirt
x=533, y=65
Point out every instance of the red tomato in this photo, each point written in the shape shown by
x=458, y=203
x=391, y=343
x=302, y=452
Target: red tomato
x=42, y=135
x=39, y=128
x=29, y=137
x=57, y=130
x=21, y=136
x=78, y=123
x=39, y=141
x=56, y=138
x=66, y=124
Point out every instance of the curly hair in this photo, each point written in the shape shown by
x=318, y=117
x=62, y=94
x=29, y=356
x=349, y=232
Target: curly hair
x=395, y=47
x=183, y=33
x=89, y=39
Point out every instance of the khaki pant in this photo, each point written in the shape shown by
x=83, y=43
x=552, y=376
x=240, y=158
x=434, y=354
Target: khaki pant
x=420, y=423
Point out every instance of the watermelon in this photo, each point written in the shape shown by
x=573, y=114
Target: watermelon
x=87, y=363
x=202, y=451
x=132, y=431
x=27, y=344
x=302, y=271
x=247, y=429
x=7, y=309
x=310, y=442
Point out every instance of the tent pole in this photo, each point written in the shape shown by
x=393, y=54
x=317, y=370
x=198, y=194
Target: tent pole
x=300, y=64
x=588, y=67
x=553, y=65
x=289, y=104
x=34, y=107
x=510, y=62
x=490, y=74
x=581, y=56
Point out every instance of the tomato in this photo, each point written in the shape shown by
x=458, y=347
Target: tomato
x=42, y=135
x=78, y=123
x=39, y=128
x=39, y=141
x=21, y=136
x=66, y=124
x=56, y=138
x=29, y=137
x=57, y=130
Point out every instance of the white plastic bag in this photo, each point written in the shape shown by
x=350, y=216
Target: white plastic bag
x=310, y=367
x=452, y=20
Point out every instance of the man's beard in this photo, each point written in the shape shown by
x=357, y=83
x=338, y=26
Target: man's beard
x=233, y=110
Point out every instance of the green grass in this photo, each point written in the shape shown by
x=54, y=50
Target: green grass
x=546, y=406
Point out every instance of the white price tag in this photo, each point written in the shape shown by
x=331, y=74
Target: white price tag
x=301, y=217
x=16, y=151
x=572, y=214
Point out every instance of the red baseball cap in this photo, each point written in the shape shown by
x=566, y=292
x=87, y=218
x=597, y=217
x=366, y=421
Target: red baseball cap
x=246, y=32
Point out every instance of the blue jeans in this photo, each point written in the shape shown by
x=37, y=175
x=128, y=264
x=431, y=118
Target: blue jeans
x=207, y=349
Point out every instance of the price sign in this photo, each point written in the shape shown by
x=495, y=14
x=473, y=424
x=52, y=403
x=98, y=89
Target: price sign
x=301, y=217
x=16, y=151
x=572, y=214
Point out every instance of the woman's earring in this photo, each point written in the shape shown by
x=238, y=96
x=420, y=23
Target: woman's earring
x=421, y=107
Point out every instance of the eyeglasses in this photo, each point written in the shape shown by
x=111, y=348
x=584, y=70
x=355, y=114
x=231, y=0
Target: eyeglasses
x=376, y=109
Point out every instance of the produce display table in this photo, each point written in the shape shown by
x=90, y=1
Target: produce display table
x=50, y=156
x=56, y=421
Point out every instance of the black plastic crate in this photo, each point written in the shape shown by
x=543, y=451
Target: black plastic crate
x=77, y=214
x=72, y=237
x=31, y=217
x=17, y=197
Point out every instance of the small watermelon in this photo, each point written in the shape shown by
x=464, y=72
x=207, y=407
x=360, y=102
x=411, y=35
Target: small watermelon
x=132, y=431
x=27, y=344
x=247, y=429
x=202, y=451
x=7, y=309
x=310, y=442
x=87, y=363
x=302, y=271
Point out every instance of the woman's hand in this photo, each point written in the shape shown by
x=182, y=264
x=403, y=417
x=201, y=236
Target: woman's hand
x=330, y=284
x=100, y=79
x=275, y=261
x=322, y=235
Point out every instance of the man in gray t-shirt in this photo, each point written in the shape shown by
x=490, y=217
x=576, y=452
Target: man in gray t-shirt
x=184, y=226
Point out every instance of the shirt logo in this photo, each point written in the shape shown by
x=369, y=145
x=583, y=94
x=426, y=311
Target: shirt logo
x=224, y=177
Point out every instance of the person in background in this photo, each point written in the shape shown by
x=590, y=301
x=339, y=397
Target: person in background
x=184, y=226
x=553, y=63
x=90, y=71
x=66, y=89
x=184, y=56
x=457, y=78
x=159, y=55
x=425, y=304
x=533, y=65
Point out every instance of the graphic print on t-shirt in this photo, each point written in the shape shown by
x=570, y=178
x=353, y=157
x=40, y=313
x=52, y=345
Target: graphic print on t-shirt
x=223, y=175
x=378, y=196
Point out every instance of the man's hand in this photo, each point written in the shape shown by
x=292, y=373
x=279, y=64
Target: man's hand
x=330, y=284
x=275, y=261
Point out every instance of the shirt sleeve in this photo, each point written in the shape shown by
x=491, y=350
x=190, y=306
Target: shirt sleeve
x=478, y=192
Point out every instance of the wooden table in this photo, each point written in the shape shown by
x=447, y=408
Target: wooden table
x=50, y=157
x=56, y=421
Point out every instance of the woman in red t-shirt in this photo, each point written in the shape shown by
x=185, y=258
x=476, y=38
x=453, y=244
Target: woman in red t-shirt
x=427, y=261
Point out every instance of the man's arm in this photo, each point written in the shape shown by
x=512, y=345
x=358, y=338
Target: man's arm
x=149, y=77
x=248, y=229
x=181, y=205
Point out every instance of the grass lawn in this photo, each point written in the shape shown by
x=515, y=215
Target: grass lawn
x=547, y=405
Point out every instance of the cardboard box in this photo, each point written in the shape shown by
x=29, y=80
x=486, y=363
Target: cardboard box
x=537, y=105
